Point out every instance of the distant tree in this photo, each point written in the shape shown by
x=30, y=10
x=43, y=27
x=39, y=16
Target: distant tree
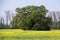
x=9, y=16
x=55, y=20
x=2, y=25
x=59, y=20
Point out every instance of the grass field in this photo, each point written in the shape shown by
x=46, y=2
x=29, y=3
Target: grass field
x=17, y=34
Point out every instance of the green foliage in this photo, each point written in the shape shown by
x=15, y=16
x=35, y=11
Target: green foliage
x=31, y=18
x=3, y=26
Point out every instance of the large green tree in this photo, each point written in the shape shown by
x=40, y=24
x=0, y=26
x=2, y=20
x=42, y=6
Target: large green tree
x=31, y=18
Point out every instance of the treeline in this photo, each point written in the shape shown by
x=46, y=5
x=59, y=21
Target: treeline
x=31, y=18
x=55, y=16
x=5, y=21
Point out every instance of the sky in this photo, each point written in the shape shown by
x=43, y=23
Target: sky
x=51, y=5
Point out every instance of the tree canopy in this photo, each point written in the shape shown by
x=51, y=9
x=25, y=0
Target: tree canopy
x=31, y=18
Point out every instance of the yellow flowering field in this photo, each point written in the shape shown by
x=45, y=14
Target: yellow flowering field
x=17, y=34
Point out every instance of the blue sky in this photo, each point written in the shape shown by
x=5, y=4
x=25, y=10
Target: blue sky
x=51, y=5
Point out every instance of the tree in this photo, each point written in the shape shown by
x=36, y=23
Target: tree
x=31, y=18
x=9, y=17
x=58, y=23
x=2, y=25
